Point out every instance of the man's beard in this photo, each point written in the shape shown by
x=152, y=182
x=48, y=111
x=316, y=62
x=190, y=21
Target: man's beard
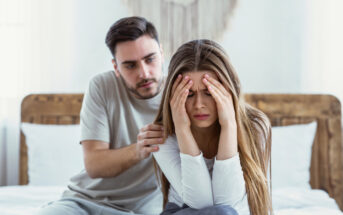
x=134, y=90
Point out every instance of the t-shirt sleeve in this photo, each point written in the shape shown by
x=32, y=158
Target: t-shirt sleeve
x=93, y=117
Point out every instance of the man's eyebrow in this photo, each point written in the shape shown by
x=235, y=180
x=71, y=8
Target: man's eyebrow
x=149, y=55
x=143, y=58
x=129, y=62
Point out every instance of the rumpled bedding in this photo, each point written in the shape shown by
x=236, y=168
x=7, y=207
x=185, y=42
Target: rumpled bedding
x=15, y=200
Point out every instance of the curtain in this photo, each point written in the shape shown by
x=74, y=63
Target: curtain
x=37, y=56
x=323, y=48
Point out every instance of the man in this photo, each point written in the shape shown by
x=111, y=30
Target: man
x=117, y=136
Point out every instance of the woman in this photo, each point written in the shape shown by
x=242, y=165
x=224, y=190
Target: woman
x=217, y=147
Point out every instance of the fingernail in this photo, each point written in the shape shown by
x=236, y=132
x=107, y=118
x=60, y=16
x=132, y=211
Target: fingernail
x=179, y=76
x=190, y=82
x=205, y=79
x=186, y=78
x=206, y=76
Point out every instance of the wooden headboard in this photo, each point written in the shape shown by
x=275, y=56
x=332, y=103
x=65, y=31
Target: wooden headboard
x=282, y=109
x=62, y=109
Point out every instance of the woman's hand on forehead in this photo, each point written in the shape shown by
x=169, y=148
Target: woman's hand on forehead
x=180, y=91
x=223, y=99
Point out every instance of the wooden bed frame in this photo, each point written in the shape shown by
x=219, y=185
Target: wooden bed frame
x=282, y=109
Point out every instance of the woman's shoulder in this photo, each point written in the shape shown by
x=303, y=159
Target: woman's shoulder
x=170, y=143
x=171, y=138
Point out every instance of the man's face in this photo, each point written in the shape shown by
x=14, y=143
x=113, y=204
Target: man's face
x=139, y=63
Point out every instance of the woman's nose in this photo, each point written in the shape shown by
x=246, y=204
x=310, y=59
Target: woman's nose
x=199, y=101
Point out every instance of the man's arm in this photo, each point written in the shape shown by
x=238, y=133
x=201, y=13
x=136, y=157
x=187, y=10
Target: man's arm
x=102, y=162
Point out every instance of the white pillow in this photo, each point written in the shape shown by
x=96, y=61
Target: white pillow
x=54, y=153
x=291, y=155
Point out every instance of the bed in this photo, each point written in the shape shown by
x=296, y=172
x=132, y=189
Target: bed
x=324, y=194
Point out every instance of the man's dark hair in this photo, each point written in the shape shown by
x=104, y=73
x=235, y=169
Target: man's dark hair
x=129, y=29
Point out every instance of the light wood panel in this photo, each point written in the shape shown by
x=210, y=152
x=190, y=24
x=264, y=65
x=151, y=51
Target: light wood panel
x=326, y=160
x=60, y=109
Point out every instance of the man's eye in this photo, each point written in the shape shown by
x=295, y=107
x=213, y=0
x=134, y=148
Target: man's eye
x=130, y=66
x=149, y=60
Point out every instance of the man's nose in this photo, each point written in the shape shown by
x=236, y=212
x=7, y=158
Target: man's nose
x=144, y=71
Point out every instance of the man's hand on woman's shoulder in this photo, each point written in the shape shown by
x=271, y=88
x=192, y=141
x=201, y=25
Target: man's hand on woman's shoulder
x=148, y=139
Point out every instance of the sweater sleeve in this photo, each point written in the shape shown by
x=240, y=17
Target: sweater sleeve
x=188, y=175
x=228, y=182
x=196, y=182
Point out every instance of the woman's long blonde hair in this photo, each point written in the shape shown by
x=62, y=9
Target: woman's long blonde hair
x=253, y=127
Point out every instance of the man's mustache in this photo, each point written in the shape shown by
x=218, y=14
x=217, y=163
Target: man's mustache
x=139, y=84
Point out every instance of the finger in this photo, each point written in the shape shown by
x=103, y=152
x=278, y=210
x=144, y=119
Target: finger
x=150, y=134
x=217, y=84
x=181, y=99
x=215, y=89
x=176, y=83
x=221, y=91
x=216, y=94
x=182, y=84
x=151, y=127
x=179, y=92
x=151, y=149
x=149, y=142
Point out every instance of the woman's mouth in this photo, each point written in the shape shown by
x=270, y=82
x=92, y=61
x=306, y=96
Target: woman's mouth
x=201, y=116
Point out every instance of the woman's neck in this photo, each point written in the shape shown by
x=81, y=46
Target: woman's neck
x=207, y=139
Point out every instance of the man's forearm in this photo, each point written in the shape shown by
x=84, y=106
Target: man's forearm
x=106, y=163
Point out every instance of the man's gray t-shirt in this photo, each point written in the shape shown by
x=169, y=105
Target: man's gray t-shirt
x=111, y=114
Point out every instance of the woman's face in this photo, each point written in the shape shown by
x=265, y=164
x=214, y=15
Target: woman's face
x=200, y=105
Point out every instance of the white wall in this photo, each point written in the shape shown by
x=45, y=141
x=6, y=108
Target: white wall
x=92, y=21
x=47, y=46
x=323, y=65
x=37, y=56
x=264, y=43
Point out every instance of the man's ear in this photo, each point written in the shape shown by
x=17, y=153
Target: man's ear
x=115, y=67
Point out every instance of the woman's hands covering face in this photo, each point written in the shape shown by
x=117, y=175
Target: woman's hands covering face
x=223, y=99
x=177, y=102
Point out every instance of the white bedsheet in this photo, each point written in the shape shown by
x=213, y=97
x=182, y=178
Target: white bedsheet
x=15, y=200
x=296, y=201
x=26, y=200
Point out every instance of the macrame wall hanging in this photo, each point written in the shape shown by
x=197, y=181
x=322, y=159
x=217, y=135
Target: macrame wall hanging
x=178, y=21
